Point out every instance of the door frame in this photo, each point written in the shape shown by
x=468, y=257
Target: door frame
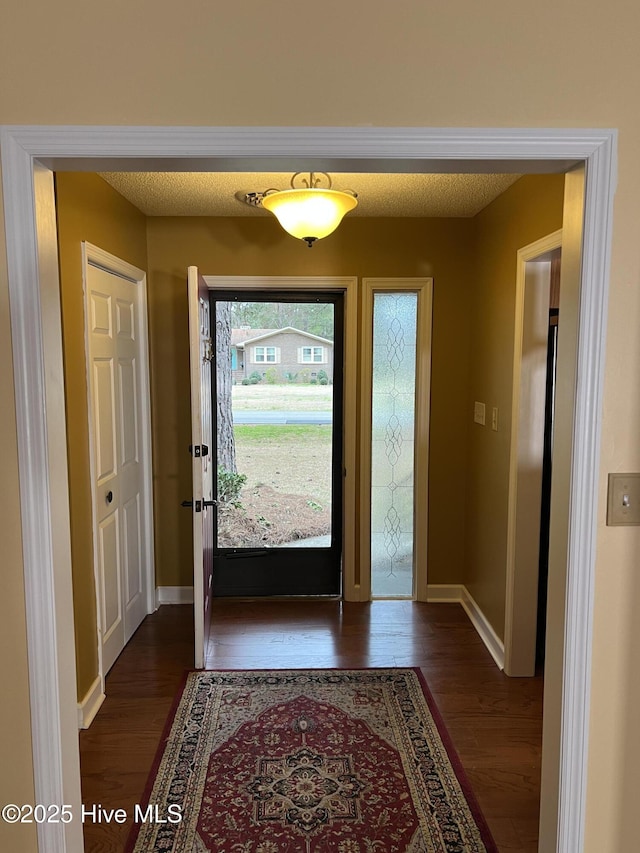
x=30, y=153
x=94, y=256
x=523, y=524
x=354, y=588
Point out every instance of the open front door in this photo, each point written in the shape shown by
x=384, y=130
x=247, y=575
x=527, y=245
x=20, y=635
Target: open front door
x=201, y=354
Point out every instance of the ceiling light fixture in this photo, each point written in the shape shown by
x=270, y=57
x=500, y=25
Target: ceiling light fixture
x=308, y=210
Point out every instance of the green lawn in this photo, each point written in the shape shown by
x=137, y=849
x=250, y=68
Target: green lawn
x=303, y=434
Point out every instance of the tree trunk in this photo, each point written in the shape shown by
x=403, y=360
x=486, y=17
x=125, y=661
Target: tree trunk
x=226, y=441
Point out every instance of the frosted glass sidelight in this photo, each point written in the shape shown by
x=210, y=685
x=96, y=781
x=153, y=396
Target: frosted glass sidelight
x=392, y=443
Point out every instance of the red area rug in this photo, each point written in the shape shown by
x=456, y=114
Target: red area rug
x=309, y=761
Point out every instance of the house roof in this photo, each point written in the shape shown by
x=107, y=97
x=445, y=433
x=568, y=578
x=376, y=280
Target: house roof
x=240, y=337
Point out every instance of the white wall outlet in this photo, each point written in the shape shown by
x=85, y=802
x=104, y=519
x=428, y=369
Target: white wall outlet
x=479, y=415
x=494, y=418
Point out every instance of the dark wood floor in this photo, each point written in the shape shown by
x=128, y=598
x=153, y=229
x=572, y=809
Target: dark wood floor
x=495, y=722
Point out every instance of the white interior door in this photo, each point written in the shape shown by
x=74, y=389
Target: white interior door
x=115, y=362
x=201, y=355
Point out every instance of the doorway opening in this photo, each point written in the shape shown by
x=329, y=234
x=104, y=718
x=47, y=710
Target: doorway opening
x=29, y=154
x=547, y=457
x=532, y=427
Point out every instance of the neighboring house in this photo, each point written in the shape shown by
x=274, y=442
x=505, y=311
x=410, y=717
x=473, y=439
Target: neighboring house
x=294, y=355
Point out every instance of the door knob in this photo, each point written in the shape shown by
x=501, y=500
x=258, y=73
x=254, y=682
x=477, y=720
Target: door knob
x=209, y=503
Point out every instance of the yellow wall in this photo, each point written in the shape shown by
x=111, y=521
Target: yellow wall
x=527, y=211
x=551, y=63
x=88, y=209
x=360, y=247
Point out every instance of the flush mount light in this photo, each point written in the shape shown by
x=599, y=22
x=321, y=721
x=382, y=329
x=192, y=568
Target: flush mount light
x=308, y=211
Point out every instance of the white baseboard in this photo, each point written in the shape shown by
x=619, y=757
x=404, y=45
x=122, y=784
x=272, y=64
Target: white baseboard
x=459, y=593
x=480, y=622
x=90, y=705
x=174, y=595
x=445, y=593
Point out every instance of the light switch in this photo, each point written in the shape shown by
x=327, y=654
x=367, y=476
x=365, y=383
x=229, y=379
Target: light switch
x=624, y=499
x=479, y=415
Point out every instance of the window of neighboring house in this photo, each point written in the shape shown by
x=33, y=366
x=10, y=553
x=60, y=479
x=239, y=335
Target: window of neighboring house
x=265, y=355
x=312, y=355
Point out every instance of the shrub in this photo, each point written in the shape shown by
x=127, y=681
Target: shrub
x=290, y=377
x=271, y=376
x=229, y=486
x=246, y=381
x=313, y=382
x=323, y=381
x=305, y=375
x=255, y=377
x=322, y=374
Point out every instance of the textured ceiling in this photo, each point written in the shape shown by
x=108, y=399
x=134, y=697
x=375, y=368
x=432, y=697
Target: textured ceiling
x=220, y=193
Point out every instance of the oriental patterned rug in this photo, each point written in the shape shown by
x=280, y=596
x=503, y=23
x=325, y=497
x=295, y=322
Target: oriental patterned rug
x=308, y=761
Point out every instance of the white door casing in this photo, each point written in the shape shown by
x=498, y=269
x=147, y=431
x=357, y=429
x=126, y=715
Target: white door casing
x=29, y=153
x=118, y=387
x=201, y=352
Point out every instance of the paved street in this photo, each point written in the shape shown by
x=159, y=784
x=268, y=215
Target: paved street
x=248, y=417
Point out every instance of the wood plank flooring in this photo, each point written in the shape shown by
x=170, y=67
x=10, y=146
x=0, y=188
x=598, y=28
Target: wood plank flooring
x=495, y=722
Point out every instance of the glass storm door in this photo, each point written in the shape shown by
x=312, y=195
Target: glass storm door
x=278, y=408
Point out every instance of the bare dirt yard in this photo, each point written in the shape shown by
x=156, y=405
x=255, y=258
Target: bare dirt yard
x=288, y=490
x=283, y=398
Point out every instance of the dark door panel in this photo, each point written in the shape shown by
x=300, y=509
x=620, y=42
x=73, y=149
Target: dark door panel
x=277, y=571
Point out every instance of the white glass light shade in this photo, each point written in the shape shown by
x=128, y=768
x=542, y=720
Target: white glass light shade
x=309, y=214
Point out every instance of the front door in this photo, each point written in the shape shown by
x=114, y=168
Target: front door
x=279, y=471
x=201, y=356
